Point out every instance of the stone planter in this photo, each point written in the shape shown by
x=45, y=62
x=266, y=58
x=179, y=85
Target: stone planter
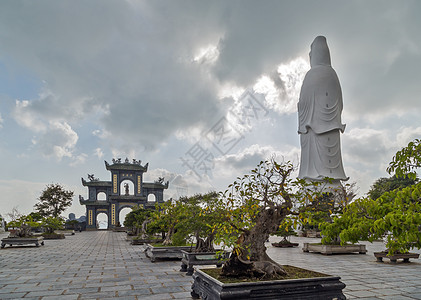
x=313, y=234
x=393, y=258
x=191, y=259
x=334, y=249
x=285, y=245
x=65, y=232
x=145, y=241
x=39, y=240
x=170, y=252
x=119, y=229
x=53, y=236
x=318, y=288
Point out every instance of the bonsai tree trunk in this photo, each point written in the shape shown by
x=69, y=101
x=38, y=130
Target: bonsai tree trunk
x=168, y=237
x=204, y=245
x=252, y=259
x=143, y=233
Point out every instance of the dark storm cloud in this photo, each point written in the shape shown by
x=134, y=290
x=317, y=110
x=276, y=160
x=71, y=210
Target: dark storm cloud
x=132, y=62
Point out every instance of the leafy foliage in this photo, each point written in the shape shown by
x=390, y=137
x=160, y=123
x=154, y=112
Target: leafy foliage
x=407, y=160
x=53, y=201
x=23, y=225
x=285, y=229
x=136, y=219
x=187, y=217
x=393, y=210
x=383, y=185
x=256, y=205
x=396, y=215
x=51, y=223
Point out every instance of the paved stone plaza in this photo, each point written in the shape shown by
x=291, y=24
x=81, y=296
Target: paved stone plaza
x=102, y=264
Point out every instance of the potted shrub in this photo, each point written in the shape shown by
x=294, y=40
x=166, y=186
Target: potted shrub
x=325, y=212
x=50, y=225
x=168, y=220
x=285, y=230
x=21, y=232
x=255, y=205
x=395, y=215
x=203, y=214
x=137, y=222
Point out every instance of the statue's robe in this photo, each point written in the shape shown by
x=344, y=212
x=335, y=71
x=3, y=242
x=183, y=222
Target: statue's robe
x=319, y=118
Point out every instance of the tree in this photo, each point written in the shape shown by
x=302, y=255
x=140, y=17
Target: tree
x=395, y=215
x=135, y=220
x=24, y=225
x=407, y=160
x=383, y=185
x=255, y=206
x=325, y=206
x=53, y=201
x=14, y=214
x=202, y=213
x=189, y=217
x=392, y=211
x=52, y=223
x=167, y=218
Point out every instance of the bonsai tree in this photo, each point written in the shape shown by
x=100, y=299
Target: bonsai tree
x=255, y=206
x=352, y=225
x=187, y=218
x=71, y=224
x=23, y=226
x=51, y=223
x=53, y=201
x=14, y=214
x=325, y=205
x=137, y=220
x=167, y=219
x=285, y=230
x=203, y=215
x=396, y=215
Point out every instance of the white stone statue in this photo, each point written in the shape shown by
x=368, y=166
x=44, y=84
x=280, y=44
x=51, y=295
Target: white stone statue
x=319, y=118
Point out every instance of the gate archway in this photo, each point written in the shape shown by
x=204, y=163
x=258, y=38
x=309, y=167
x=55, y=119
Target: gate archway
x=102, y=220
x=125, y=189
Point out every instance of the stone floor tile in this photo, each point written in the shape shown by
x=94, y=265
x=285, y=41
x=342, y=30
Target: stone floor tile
x=396, y=297
x=102, y=264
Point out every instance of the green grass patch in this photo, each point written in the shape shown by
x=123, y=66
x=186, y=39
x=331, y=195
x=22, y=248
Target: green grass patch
x=293, y=273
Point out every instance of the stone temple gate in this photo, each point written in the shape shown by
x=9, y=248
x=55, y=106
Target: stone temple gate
x=110, y=197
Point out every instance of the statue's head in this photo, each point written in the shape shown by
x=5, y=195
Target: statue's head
x=319, y=53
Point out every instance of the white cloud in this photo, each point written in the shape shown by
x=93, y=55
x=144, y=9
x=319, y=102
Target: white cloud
x=407, y=134
x=79, y=159
x=98, y=152
x=207, y=55
x=58, y=140
x=26, y=118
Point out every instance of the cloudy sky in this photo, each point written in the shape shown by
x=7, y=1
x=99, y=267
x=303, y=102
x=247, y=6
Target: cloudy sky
x=202, y=90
